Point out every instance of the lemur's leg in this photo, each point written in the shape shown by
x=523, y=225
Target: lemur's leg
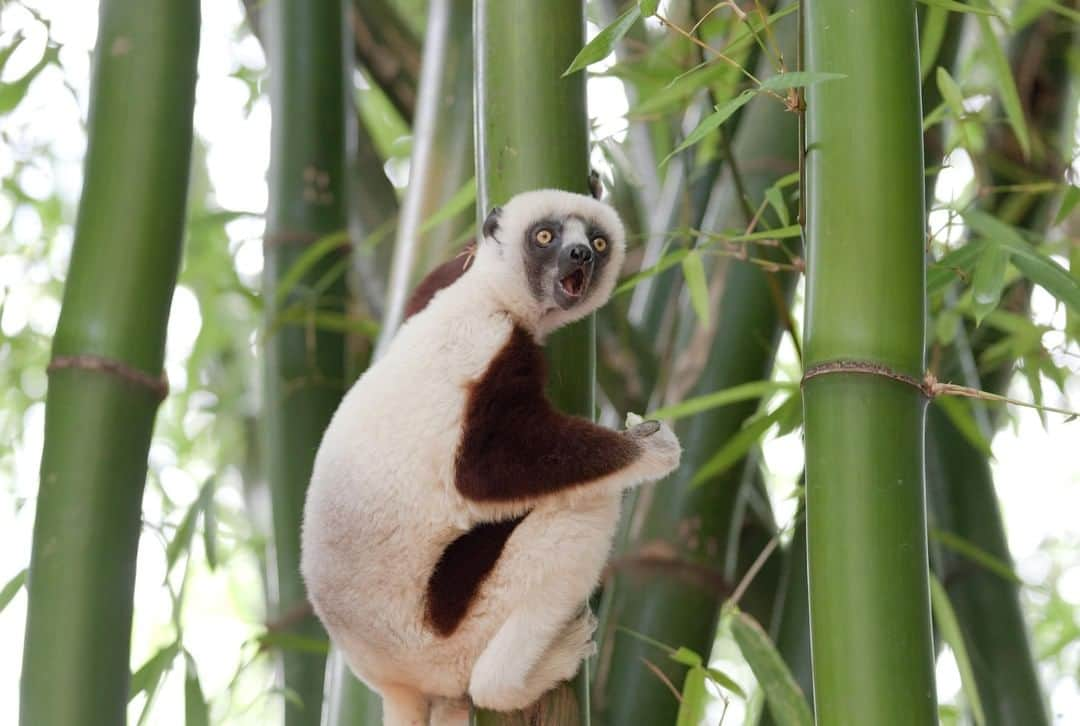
x=403, y=706
x=546, y=572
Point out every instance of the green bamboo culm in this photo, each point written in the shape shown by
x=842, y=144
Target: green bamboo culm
x=105, y=378
x=304, y=364
x=532, y=133
x=873, y=657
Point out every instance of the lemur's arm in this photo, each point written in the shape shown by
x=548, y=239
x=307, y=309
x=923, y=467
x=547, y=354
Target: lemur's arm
x=442, y=276
x=517, y=447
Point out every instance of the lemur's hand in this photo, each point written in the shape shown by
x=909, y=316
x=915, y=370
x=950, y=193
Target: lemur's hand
x=661, y=447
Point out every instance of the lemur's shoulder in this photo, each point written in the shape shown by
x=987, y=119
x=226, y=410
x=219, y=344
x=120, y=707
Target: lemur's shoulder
x=441, y=277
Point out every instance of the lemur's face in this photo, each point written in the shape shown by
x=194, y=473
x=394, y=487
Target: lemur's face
x=565, y=248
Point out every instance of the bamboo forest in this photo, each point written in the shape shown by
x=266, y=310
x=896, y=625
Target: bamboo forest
x=851, y=288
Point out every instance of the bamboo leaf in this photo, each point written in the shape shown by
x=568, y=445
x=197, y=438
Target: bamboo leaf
x=181, y=540
x=667, y=261
x=951, y=92
x=310, y=257
x=785, y=699
x=603, y=44
x=1068, y=202
x=695, y=698
x=463, y=199
x=1010, y=97
x=11, y=589
x=958, y=261
x=1039, y=268
x=291, y=641
x=725, y=681
x=945, y=617
x=980, y=557
x=148, y=677
x=735, y=394
x=958, y=7
x=739, y=444
x=712, y=122
x=196, y=710
x=648, y=7
x=931, y=34
x=687, y=657
x=775, y=198
x=988, y=282
x=797, y=79
x=210, y=529
x=959, y=413
x=694, y=272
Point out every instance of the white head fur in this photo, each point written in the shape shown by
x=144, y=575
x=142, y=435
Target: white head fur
x=525, y=276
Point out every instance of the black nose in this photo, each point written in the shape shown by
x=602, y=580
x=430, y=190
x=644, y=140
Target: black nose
x=581, y=254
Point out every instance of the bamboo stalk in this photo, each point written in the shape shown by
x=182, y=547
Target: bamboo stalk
x=442, y=158
x=705, y=526
x=866, y=526
x=532, y=133
x=304, y=365
x=106, y=379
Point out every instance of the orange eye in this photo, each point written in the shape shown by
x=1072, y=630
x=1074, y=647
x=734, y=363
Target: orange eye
x=543, y=237
x=600, y=244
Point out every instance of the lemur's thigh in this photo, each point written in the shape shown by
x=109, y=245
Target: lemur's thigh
x=548, y=569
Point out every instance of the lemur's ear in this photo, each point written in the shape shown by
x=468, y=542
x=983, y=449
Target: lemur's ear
x=595, y=186
x=491, y=224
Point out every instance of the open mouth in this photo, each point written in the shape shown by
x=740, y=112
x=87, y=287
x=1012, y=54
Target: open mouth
x=574, y=283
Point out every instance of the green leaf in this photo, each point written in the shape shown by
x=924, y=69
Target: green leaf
x=958, y=7
x=210, y=529
x=979, y=556
x=694, y=272
x=196, y=710
x=785, y=699
x=711, y=122
x=725, y=681
x=931, y=34
x=735, y=394
x=667, y=261
x=291, y=641
x=797, y=79
x=181, y=540
x=1035, y=265
x=648, y=7
x=738, y=445
x=989, y=280
x=686, y=656
x=695, y=698
x=603, y=44
x=325, y=245
x=775, y=198
x=464, y=198
x=681, y=88
x=1006, y=84
x=149, y=675
x=945, y=270
x=945, y=618
x=950, y=91
x=959, y=413
x=11, y=589
x=1068, y=202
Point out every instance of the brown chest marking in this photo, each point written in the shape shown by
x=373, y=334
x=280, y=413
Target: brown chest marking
x=461, y=570
x=516, y=446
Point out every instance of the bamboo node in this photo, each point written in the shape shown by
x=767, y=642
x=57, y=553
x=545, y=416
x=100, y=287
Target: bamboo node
x=928, y=386
x=158, y=385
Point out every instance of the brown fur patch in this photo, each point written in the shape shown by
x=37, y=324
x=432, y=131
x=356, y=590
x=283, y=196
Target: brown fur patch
x=515, y=445
x=461, y=570
x=442, y=276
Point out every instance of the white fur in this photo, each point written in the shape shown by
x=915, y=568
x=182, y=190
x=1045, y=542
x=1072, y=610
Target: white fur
x=382, y=505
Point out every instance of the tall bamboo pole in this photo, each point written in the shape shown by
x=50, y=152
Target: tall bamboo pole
x=304, y=369
x=864, y=358
x=704, y=525
x=532, y=133
x=106, y=378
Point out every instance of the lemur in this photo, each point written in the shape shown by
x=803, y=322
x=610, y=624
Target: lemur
x=456, y=522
